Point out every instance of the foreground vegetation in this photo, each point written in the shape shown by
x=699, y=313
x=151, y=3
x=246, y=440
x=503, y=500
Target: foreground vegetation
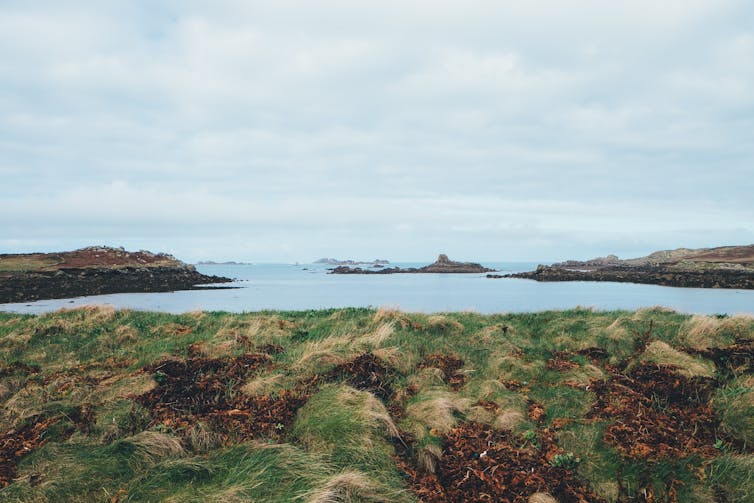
x=365, y=405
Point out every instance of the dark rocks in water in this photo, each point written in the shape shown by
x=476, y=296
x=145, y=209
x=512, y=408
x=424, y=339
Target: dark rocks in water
x=334, y=261
x=443, y=265
x=725, y=267
x=652, y=275
x=95, y=271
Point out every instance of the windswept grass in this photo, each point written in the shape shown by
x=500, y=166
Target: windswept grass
x=354, y=433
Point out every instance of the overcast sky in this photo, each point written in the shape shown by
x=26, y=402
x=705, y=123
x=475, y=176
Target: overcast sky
x=290, y=130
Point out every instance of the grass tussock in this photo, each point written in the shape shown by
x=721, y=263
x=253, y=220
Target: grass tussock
x=663, y=354
x=735, y=405
x=347, y=487
x=704, y=332
x=439, y=411
x=365, y=405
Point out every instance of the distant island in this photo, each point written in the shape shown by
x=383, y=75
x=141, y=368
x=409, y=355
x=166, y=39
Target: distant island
x=334, y=261
x=95, y=270
x=442, y=265
x=721, y=267
x=230, y=262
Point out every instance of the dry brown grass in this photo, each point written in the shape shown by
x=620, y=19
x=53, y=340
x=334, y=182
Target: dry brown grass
x=427, y=378
x=18, y=339
x=583, y=374
x=508, y=420
x=347, y=487
x=124, y=386
x=437, y=410
x=704, y=332
x=428, y=457
x=385, y=313
x=686, y=365
x=316, y=354
x=125, y=334
x=25, y=403
x=396, y=358
x=202, y=439
x=382, y=333
x=152, y=446
x=371, y=410
x=26, y=263
x=443, y=323
x=542, y=498
x=10, y=321
x=264, y=384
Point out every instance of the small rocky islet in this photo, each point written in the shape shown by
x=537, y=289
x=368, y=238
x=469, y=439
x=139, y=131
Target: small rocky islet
x=443, y=265
x=95, y=270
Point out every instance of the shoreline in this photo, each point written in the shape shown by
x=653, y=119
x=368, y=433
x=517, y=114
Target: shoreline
x=61, y=284
x=648, y=275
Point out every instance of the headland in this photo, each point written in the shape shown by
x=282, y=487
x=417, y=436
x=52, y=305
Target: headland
x=95, y=270
x=722, y=267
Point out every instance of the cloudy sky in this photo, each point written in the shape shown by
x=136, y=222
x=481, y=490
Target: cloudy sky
x=289, y=130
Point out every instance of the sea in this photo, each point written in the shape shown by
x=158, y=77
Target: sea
x=260, y=287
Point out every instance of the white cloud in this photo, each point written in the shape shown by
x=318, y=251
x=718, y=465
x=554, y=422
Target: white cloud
x=485, y=122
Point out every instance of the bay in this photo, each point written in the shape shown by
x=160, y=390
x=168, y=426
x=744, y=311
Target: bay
x=308, y=286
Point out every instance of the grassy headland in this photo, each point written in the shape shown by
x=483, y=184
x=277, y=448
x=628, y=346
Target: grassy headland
x=376, y=405
x=722, y=267
x=94, y=270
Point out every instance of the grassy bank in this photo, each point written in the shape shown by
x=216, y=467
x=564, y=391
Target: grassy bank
x=365, y=405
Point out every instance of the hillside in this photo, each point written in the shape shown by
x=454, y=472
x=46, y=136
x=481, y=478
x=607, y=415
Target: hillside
x=365, y=405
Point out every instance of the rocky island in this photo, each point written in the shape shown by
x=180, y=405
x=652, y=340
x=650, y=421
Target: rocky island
x=334, y=261
x=442, y=265
x=722, y=267
x=94, y=271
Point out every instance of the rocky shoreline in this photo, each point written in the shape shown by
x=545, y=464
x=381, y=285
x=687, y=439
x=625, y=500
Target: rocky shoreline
x=724, y=267
x=720, y=278
x=130, y=273
x=443, y=265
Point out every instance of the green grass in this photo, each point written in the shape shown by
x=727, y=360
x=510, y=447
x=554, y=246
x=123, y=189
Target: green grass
x=342, y=443
x=27, y=263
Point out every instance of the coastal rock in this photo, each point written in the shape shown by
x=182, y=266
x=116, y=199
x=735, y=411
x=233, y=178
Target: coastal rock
x=336, y=262
x=94, y=271
x=443, y=265
x=724, y=267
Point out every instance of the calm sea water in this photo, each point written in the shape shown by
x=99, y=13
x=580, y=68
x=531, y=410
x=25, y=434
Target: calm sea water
x=298, y=287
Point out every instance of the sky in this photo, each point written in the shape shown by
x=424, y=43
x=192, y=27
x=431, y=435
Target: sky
x=280, y=131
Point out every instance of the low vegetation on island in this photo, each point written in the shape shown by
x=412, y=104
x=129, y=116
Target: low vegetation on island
x=98, y=404
x=443, y=265
x=94, y=270
x=722, y=267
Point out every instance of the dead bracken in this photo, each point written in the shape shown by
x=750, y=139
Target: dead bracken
x=481, y=464
x=202, y=389
x=656, y=413
x=366, y=372
x=561, y=360
x=450, y=366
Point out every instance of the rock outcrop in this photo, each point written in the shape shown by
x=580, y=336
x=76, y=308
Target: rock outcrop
x=443, y=265
x=94, y=271
x=334, y=261
x=724, y=267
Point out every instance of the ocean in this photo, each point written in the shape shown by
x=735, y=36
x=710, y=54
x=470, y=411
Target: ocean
x=308, y=286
